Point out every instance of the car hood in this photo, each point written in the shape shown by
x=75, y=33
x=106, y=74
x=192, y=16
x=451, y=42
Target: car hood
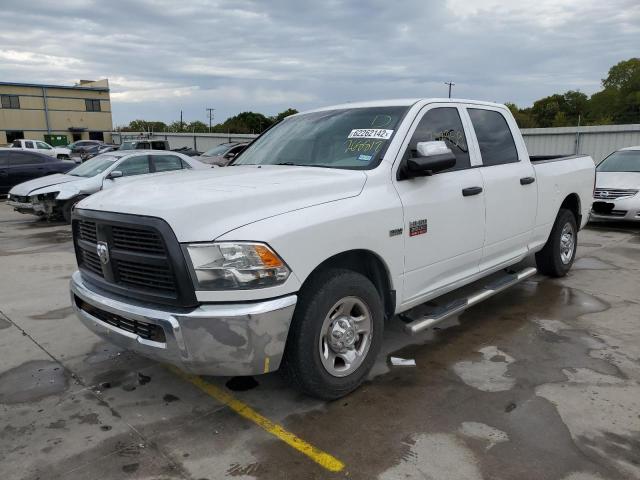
x=204, y=204
x=24, y=189
x=625, y=180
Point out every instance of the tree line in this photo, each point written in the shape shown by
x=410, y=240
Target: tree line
x=245, y=122
x=617, y=103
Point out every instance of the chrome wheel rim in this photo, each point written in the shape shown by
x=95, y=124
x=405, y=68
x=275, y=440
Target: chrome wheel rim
x=345, y=336
x=567, y=243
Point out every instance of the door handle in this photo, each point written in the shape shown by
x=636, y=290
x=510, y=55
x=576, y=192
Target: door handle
x=469, y=191
x=527, y=180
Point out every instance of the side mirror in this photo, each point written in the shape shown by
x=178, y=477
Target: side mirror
x=433, y=157
x=114, y=174
x=230, y=155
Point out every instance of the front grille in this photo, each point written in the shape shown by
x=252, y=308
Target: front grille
x=135, y=257
x=137, y=240
x=148, y=331
x=91, y=261
x=146, y=276
x=87, y=231
x=613, y=193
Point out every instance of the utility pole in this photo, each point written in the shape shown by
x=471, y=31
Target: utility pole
x=210, y=112
x=451, y=84
x=181, y=120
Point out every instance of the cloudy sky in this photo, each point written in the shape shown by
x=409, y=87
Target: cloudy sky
x=161, y=56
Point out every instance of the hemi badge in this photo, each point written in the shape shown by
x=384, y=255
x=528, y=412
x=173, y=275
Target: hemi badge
x=395, y=232
x=417, y=227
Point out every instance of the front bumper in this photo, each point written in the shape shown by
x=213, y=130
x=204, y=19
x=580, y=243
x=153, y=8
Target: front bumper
x=212, y=339
x=624, y=209
x=22, y=207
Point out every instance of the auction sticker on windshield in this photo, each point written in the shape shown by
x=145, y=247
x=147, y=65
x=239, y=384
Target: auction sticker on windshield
x=371, y=133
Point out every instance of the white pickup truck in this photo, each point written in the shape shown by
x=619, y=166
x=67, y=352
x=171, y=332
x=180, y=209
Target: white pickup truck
x=329, y=224
x=63, y=153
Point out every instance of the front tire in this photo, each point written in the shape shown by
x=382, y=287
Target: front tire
x=67, y=208
x=558, y=254
x=335, y=335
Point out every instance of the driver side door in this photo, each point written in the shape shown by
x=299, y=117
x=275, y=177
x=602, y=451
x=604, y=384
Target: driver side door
x=130, y=167
x=443, y=213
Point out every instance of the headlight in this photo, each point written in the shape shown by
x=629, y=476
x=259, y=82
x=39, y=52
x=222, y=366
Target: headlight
x=45, y=196
x=235, y=266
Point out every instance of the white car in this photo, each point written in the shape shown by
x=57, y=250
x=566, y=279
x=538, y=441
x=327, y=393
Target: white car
x=42, y=147
x=327, y=225
x=617, y=193
x=55, y=195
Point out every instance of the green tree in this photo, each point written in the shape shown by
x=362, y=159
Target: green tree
x=197, y=126
x=523, y=116
x=245, y=122
x=145, y=126
x=623, y=86
x=282, y=115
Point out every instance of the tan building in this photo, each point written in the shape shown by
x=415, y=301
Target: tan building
x=57, y=114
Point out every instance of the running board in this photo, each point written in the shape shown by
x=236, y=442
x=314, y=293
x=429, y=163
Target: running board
x=461, y=304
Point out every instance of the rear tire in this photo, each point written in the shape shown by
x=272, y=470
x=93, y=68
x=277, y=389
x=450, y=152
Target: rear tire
x=335, y=335
x=558, y=254
x=67, y=208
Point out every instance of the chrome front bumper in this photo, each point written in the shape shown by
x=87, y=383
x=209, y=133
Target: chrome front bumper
x=212, y=339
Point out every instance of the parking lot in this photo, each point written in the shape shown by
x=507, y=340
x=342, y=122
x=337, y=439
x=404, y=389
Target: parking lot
x=540, y=382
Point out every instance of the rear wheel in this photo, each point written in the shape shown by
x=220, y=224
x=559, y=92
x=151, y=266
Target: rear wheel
x=335, y=335
x=558, y=254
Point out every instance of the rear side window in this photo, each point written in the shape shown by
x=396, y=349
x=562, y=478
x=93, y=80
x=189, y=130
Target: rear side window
x=28, y=144
x=134, y=166
x=158, y=145
x=25, y=158
x=164, y=163
x=143, y=146
x=443, y=124
x=494, y=137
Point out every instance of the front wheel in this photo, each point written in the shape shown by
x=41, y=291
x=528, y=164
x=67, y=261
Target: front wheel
x=558, y=254
x=335, y=335
x=67, y=208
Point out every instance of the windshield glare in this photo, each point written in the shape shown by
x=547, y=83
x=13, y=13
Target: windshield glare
x=621, y=161
x=93, y=167
x=215, y=151
x=354, y=138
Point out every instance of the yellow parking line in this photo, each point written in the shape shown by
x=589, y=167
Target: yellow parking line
x=321, y=458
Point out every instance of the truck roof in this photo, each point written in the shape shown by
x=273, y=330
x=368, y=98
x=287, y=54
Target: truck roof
x=398, y=102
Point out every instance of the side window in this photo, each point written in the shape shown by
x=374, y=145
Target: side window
x=92, y=105
x=235, y=150
x=25, y=158
x=28, y=144
x=143, y=146
x=185, y=164
x=443, y=124
x=10, y=101
x=494, y=137
x=158, y=146
x=43, y=146
x=134, y=166
x=164, y=163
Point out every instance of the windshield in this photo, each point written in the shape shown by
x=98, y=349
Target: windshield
x=216, y=151
x=93, y=167
x=621, y=161
x=128, y=146
x=354, y=138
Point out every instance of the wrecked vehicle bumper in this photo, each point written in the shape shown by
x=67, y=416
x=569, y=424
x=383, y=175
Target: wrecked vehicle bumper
x=21, y=207
x=212, y=339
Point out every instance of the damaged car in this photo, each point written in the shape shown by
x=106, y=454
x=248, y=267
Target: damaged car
x=54, y=196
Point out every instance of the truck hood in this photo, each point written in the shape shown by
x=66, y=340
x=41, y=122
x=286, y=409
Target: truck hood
x=204, y=204
x=625, y=180
x=24, y=189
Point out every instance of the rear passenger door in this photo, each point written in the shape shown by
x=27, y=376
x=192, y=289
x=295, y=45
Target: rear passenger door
x=509, y=183
x=4, y=172
x=443, y=228
x=24, y=166
x=165, y=163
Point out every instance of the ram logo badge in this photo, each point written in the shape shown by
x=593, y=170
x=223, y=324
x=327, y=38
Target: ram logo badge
x=102, y=249
x=417, y=227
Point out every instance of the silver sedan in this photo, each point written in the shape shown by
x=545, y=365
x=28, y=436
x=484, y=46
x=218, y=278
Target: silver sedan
x=616, y=196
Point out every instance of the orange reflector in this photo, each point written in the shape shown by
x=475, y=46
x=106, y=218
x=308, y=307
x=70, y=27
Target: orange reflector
x=269, y=259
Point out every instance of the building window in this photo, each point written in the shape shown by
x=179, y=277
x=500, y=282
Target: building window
x=14, y=135
x=10, y=101
x=96, y=136
x=92, y=105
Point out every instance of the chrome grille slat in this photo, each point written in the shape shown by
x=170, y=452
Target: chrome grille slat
x=613, y=193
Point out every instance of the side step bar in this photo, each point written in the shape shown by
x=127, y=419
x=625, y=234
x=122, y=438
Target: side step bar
x=461, y=304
